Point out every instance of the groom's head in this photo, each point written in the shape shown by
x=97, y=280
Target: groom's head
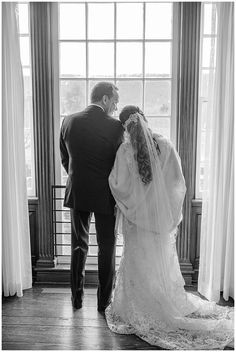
x=106, y=95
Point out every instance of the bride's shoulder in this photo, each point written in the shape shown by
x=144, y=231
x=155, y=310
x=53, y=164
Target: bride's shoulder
x=163, y=142
x=125, y=153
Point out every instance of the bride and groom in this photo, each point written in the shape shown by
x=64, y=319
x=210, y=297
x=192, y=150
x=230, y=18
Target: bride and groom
x=131, y=179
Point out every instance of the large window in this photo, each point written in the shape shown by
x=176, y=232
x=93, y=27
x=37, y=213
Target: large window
x=207, y=73
x=129, y=44
x=23, y=11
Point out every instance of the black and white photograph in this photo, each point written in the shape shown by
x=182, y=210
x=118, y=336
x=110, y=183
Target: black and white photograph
x=117, y=182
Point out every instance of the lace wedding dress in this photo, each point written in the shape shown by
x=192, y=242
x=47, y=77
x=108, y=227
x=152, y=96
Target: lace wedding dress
x=149, y=299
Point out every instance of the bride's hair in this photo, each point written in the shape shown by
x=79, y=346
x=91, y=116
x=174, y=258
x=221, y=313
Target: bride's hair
x=138, y=142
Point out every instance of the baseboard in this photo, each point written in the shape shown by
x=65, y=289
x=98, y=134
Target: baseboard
x=60, y=275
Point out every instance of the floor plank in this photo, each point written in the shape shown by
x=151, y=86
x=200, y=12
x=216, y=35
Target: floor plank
x=43, y=319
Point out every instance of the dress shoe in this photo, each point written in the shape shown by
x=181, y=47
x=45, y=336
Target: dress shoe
x=101, y=309
x=76, y=304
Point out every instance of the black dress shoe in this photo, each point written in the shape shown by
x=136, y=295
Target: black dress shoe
x=76, y=304
x=101, y=309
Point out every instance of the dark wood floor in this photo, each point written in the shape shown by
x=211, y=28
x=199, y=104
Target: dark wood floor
x=43, y=319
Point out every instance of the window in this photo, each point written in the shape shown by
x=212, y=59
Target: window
x=207, y=72
x=23, y=10
x=103, y=41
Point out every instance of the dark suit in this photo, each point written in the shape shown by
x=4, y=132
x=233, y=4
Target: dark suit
x=88, y=144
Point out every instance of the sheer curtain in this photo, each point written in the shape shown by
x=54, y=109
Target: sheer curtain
x=217, y=229
x=16, y=256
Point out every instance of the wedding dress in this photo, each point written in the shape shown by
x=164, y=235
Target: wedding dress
x=149, y=299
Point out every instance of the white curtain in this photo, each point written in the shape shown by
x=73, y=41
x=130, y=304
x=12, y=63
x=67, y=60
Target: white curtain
x=16, y=256
x=216, y=271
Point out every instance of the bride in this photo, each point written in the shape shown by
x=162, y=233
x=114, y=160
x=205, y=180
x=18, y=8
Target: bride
x=149, y=299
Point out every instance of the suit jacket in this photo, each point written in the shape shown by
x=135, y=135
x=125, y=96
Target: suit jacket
x=88, y=144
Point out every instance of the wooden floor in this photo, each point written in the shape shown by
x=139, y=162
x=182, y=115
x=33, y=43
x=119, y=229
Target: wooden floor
x=43, y=319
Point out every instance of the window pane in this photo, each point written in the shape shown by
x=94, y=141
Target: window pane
x=72, y=60
x=28, y=113
x=202, y=142
x=28, y=133
x=130, y=93
x=158, y=60
x=129, y=60
x=64, y=176
x=72, y=21
x=204, y=83
x=72, y=96
x=100, y=21
x=119, y=251
x=210, y=19
x=29, y=161
x=129, y=21
x=158, y=21
x=101, y=59
x=160, y=126
x=93, y=251
x=209, y=52
x=24, y=51
x=207, y=78
x=157, y=98
x=23, y=19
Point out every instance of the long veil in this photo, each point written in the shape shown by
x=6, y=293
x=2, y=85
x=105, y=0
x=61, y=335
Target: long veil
x=155, y=305
x=153, y=208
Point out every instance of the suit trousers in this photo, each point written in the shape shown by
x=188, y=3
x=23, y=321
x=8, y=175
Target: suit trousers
x=106, y=240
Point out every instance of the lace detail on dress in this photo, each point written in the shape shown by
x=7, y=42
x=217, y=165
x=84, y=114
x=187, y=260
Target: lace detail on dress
x=163, y=313
x=156, y=335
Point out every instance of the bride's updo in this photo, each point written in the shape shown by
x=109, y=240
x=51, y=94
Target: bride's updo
x=138, y=142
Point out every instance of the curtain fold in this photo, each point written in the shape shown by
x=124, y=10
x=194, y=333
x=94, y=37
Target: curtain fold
x=217, y=229
x=16, y=254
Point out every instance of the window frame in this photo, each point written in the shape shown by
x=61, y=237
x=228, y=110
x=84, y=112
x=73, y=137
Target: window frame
x=56, y=79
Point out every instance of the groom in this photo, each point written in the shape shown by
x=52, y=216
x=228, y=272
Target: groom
x=88, y=144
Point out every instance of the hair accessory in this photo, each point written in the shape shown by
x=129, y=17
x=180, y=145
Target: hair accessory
x=132, y=118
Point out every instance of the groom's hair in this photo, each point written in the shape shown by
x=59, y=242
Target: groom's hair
x=101, y=89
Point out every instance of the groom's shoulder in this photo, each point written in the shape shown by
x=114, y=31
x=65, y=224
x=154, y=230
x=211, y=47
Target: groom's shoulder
x=77, y=116
x=113, y=121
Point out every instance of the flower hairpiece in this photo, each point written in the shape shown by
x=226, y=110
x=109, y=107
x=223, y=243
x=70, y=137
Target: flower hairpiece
x=132, y=118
